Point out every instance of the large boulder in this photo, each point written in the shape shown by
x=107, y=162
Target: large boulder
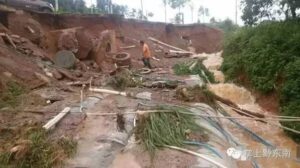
x=68, y=41
x=85, y=44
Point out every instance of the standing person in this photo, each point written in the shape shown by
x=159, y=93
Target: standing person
x=146, y=54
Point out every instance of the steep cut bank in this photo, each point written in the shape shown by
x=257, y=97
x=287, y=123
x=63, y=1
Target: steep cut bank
x=267, y=58
x=203, y=38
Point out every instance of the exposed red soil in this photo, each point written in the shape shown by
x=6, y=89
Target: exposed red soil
x=208, y=39
x=269, y=102
x=20, y=66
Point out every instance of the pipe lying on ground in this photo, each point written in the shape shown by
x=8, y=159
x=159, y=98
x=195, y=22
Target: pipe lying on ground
x=137, y=96
x=197, y=154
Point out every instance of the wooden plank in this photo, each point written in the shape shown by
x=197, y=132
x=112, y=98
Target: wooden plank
x=10, y=41
x=50, y=124
x=165, y=44
x=128, y=47
x=108, y=91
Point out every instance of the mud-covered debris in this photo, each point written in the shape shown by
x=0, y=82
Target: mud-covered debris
x=68, y=41
x=195, y=94
x=57, y=75
x=26, y=27
x=162, y=84
x=67, y=74
x=123, y=79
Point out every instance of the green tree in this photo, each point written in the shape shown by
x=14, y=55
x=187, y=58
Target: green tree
x=255, y=10
x=120, y=9
x=178, y=4
x=201, y=13
x=291, y=7
x=70, y=5
x=105, y=6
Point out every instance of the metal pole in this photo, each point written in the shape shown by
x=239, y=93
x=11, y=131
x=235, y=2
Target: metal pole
x=165, y=3
x=56, y=5
x=236, y=11
x=91, y=6
x=142, y=7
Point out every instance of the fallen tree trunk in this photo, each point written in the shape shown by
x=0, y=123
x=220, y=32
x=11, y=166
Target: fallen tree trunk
x=237, y=109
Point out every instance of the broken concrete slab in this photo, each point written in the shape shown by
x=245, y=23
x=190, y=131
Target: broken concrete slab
x=144, y=95
x=194, y=80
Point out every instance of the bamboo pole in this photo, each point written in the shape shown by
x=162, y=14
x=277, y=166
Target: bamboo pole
x=197, y=154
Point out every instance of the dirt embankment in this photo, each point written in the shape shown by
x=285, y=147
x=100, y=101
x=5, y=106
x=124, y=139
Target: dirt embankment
x=44, y=30
x=203, y=38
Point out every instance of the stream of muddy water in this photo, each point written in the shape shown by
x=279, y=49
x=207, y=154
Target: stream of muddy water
x=245, y=100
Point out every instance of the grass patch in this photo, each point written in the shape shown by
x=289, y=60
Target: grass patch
x=189, y=68
x=33, y=148
x=159, y=129
x=10, y=96
x=123, y=79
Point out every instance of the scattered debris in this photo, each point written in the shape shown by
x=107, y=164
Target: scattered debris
x=66, y=74
x=124, y=79
x=194, y=68
x=195, y=94
x=162, y=84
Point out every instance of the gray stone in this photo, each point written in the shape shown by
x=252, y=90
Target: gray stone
x=64, y=59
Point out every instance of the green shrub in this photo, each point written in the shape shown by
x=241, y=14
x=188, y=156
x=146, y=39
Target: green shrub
x=269, y=56
x=184, y=68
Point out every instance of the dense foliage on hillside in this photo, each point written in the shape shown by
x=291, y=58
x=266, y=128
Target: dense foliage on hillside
x=268, y=55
